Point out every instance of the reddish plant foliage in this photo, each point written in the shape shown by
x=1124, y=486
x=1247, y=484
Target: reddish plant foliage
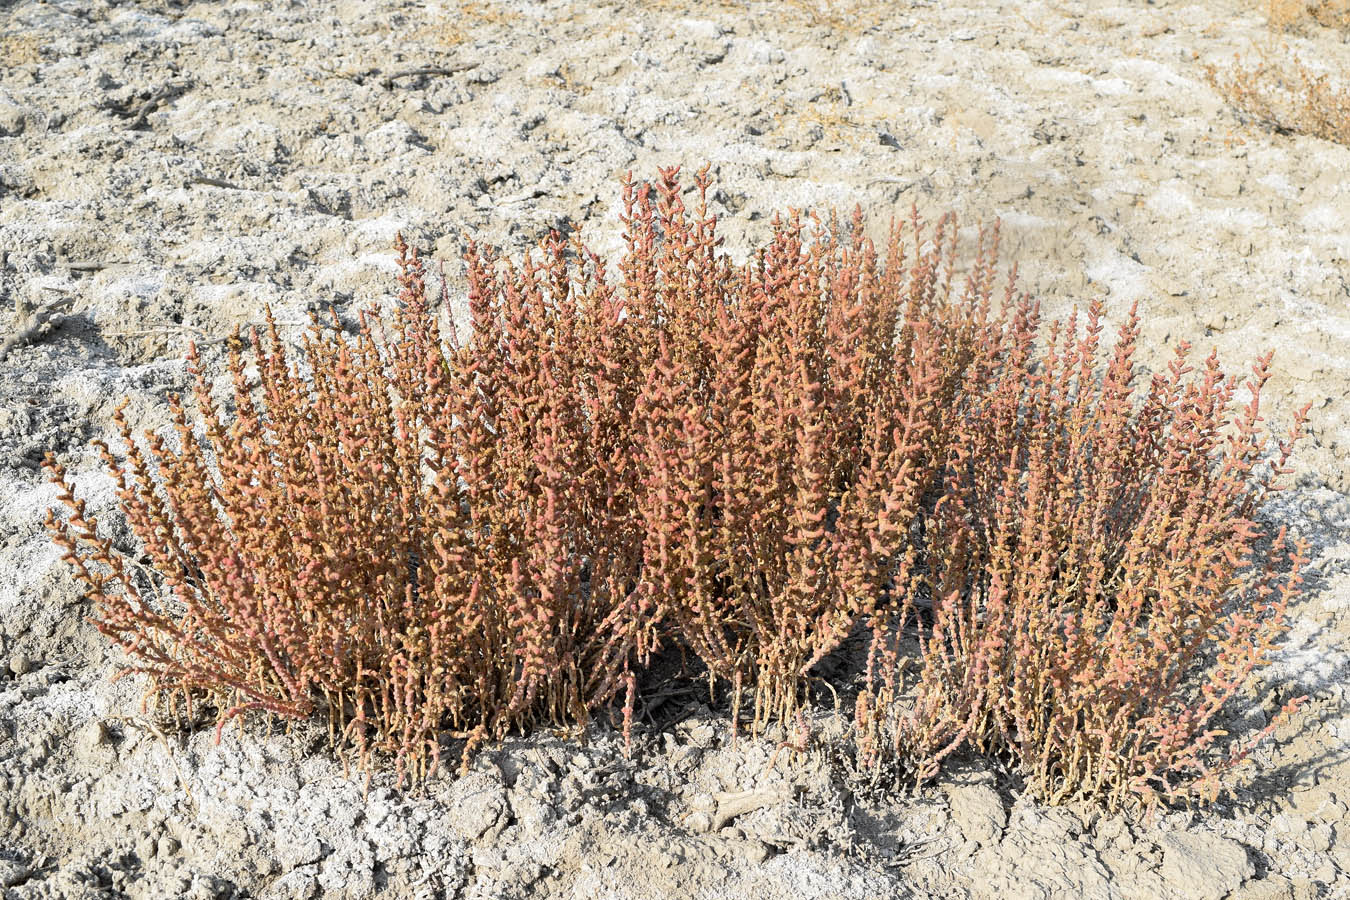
x=418, y=534
x=1100, y=590
x=787, y=432
x=416, y=537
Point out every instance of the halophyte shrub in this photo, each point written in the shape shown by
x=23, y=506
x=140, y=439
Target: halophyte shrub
x=1100, y=589
x=416, y=533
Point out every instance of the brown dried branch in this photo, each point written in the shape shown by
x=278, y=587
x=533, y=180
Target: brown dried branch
x=388, y=81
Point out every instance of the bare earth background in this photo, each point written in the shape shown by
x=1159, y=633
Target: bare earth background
x=172, y=168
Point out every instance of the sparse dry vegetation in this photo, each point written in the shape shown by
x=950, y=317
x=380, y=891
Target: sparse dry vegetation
x=1286, y=96
x=1279, y=90
x=416, y=533
x=1285, y=15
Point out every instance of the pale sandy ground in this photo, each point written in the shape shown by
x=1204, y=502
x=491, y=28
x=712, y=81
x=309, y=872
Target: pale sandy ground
x=273, y=164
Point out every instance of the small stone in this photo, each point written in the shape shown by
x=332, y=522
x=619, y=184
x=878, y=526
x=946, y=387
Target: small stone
x=1289, y=825
x=1306, y=889
x=1318, y=838
x=11, y=873
x=1272, y=887
x=686, y=759
x=699, y=822
x=977, y=810
x=20, y=664
x=478, y=806
x=12, y=119
x=755, y=850
x=92, y=735
x=702, y=734
x=522, y=873
x=1311, y=805
x=1202, y=866
x=168, y=845
x=297, y=884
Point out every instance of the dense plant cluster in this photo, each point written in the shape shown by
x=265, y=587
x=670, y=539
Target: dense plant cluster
x=416, y=532
x=1100, y=589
